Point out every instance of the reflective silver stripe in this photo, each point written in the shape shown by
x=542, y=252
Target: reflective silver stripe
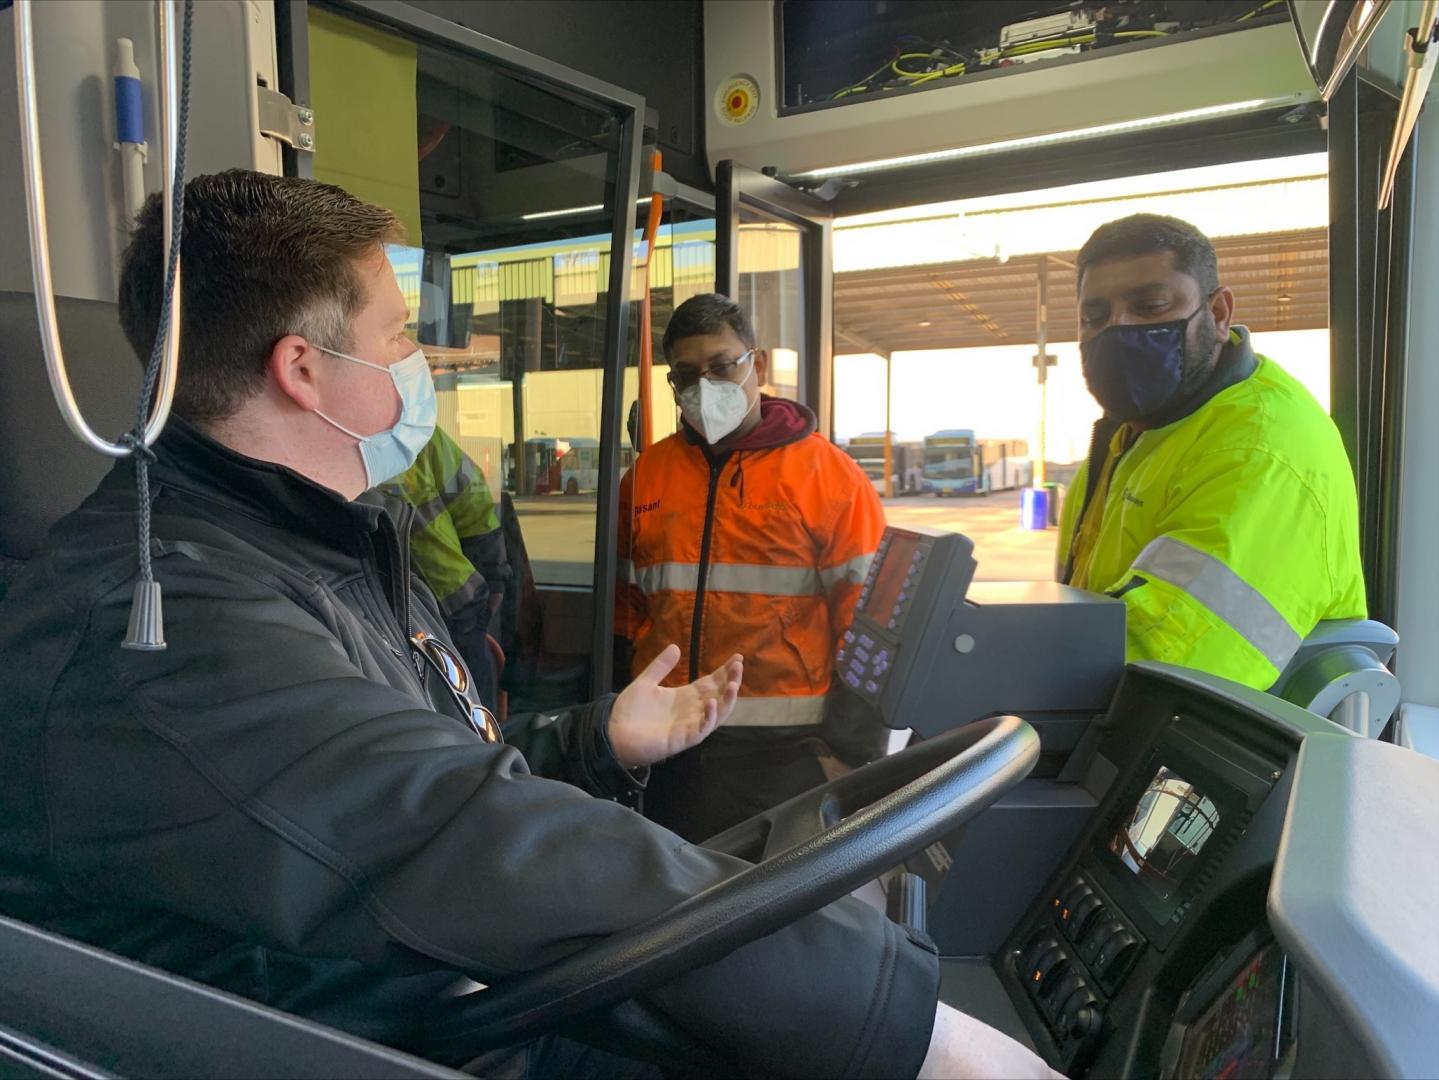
x=1223, y=592
x=666, y=577
x=464, y=596
x=852, y=572
x=427, y=512
x=463, y=477
x=776, y=712
x=724, y=577
x=765, y=580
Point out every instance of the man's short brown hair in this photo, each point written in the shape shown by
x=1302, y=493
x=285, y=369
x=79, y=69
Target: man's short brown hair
x=261, y=257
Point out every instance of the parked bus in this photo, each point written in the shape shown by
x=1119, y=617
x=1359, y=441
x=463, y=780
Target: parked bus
x=905, y=461
x=564, y=466
x=956, y=463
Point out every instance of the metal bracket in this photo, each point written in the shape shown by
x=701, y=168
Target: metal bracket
x=282, y=119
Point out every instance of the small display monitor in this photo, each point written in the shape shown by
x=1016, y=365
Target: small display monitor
x=1239, y=1035
x=889, y=581
x=1161, y=840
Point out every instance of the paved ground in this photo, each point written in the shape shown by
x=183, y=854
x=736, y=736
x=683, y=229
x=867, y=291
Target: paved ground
x=1005, y=552
x=559, y=533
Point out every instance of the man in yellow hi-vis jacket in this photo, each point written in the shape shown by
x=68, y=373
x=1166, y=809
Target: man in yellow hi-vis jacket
x=1217, y=500
x=458, y=549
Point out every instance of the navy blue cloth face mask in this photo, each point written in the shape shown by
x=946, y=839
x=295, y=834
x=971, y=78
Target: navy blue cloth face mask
x=1134, y=371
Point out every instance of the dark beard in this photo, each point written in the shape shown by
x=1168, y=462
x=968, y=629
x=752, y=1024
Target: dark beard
x=1201, y=356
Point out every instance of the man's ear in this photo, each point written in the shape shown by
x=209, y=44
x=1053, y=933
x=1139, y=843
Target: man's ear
x=761, y=366
x=293, y=364
x=1221, y=306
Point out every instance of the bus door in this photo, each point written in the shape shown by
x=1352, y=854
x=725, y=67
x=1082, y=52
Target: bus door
x=518, y=183
x=773, y=256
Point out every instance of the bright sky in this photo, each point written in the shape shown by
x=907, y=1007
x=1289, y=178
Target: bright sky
x=993, y=390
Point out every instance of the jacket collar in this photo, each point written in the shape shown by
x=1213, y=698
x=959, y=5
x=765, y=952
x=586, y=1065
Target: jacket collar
x=188, y=460
x=781, y=422
x=1236, y=363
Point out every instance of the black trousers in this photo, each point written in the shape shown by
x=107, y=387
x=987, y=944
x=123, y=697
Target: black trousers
x=731, y=776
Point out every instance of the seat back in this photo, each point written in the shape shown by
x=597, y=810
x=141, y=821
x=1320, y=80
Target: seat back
x=1339, y=672
x=67, y=1009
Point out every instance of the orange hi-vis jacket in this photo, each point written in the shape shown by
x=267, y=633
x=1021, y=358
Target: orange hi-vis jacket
x=760, y=552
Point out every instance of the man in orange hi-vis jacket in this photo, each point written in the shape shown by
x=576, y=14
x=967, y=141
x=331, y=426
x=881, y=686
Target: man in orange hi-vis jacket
x=745, y=532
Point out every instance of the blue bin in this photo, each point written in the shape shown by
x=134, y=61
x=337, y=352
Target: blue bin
x=1034, y=508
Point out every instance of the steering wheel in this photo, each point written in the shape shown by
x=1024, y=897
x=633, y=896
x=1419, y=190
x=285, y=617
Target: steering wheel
x=811, y=850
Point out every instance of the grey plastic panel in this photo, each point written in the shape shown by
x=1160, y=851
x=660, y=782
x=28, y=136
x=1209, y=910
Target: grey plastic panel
x=1355, y=888
x=1037, y=647
x=123, y=1018
x=1001, y=860
x=47, y=470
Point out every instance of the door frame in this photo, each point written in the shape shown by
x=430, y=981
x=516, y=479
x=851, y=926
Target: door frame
x=736, y=186
x=628, y=109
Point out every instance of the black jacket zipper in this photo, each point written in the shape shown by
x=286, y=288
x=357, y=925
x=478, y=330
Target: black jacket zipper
x=398, y=602
x=716, y=468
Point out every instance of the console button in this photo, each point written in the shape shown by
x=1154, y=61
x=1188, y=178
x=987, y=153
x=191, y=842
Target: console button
x=1078, y=1014
x=1059, y=988
x=1115, y=955
x=1036, y=948
x=1069, y=901
x=1099, y=932
x=1050, y=965
x=1086, y=908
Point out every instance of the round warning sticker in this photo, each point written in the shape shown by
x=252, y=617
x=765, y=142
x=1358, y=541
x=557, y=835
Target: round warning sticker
x=737, y=99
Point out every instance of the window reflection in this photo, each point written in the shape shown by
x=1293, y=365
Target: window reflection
x=771, y=290
x=506, y=189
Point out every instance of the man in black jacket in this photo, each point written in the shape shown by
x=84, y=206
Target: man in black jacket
x=291, y=802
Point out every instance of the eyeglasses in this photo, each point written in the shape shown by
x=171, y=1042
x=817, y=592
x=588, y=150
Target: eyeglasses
x=725, y=371
x=451, y=668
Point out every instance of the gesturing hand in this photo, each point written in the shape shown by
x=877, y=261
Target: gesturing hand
x=650, y=722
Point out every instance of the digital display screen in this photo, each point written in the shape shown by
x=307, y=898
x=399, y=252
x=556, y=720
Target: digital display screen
x=889, y=582
x=1237, y=1038
x=1161, y=841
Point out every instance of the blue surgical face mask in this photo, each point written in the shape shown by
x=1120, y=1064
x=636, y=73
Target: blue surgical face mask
x=1134, y=371
x=388, y=453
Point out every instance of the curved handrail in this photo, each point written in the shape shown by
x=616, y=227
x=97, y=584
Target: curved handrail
x=39, y=232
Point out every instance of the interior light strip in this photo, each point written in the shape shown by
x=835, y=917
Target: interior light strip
x=571, y=210
x=1166, y=120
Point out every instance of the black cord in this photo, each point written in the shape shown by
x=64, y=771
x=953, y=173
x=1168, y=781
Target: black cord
x=136, y=438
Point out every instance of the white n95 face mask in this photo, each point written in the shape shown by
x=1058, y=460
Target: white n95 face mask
x=388, y=453
x=715, y=409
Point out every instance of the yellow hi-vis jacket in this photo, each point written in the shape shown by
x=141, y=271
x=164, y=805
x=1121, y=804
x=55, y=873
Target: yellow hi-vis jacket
x=1229, y=534
x=456, y=540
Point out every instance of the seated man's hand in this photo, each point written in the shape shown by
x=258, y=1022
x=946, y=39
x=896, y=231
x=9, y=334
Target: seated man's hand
x=650, y=722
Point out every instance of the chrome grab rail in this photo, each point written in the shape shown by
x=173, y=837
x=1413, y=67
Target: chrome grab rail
x=39, y=231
